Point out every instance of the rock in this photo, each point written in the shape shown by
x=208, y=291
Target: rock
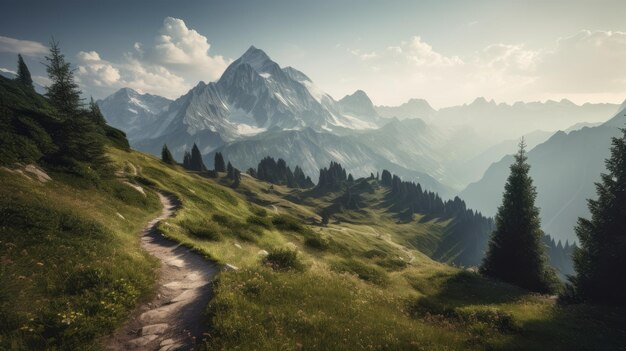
x=185, y=295
x=141, y=341
x=154, y=329
x=37, y=172
x=230, y=267
x=238, y=246
x=136, y=187
x=167, y=342
x=262, y=253
x=120, y=215
x=171, y=347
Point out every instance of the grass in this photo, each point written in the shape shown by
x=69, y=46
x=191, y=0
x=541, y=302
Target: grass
x=364, y=281
x=71, y=269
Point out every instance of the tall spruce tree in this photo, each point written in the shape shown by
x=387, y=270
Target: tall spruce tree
x=63, y=92
x=515, y=252
x=166, y=156
x=600, y=259
x=196, y=159
x=219, y=164
x=23, y=74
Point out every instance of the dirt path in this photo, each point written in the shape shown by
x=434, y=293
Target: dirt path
x=173, y=320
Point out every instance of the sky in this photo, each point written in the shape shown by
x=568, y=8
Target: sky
x=447, y=52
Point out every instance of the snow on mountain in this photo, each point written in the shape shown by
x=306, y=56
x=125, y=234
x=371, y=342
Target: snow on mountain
x=131, y=111
x=253, y=95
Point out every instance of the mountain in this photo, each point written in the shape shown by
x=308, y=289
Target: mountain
x=131, y=111
x=312, y=150
x=564, y=169
x=253, y=95
x=414, y=108
x=500, y=121
x=359, y=104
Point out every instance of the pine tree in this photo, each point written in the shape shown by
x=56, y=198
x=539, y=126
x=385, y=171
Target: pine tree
x=95, y=113
x=196, y=163
x=23, y=74
x=229, y=171
x=63, y=91
x=516, y=253
x=600, y=260
x=220, y=166
x=166, y=156
x=187, y=160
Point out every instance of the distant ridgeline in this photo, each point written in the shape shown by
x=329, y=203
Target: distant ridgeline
x=468, y=233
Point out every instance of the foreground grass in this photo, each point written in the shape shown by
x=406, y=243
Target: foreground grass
x=72, y=269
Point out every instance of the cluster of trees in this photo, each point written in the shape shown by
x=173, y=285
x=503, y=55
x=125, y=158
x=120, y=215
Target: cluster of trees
x=517, y=254
x=468, y=227
x=233, y=174
x=277, y=172
x=57, y=130
x=193, y=160
x=560, y=255
x=219, y=165
x=333, y=177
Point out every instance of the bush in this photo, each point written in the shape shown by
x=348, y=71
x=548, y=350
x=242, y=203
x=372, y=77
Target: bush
x=364, y=271
x=259, y=211
x=260, y=221
x=203, y=230
x=317, y=242
x=284, y=260
x=289, y=223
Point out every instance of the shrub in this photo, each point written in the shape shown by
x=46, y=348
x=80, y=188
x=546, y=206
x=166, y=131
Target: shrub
x=203, y=230
x=364, y=271
x=289, y=223
x=260, y=221
x=317, y=242
x=284, y=260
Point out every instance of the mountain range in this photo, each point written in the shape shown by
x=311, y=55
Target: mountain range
x=258, y=108
x=564, y=169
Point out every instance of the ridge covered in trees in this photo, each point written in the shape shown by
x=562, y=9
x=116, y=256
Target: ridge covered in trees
x=55, y=130
x=278, y=172
x=193, y=160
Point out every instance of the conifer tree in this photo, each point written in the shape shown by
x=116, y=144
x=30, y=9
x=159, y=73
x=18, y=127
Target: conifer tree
x=516, y=253
x=187, y=160
x=229, y=170
x=220, y=166
x=196, y=163
x=95, y=113
x=600, y=260
x=23, y=74
x=63, y=91
x=166, y=156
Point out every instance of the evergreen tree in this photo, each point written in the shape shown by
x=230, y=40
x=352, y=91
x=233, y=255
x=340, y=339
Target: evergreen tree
x=196, y=163
x=229, y=170
x=600, y=260
x=23, y=74
x=95, y=113
x=220, y=166
x=63, y=91
x=516, y=253
x=187, y=160
x=166, y=156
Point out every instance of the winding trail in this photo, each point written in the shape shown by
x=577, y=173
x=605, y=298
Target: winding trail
x=174, y=319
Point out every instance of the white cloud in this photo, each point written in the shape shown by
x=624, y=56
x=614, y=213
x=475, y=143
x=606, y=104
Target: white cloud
x=587, y=62
x=184, y=49
x=24, y=47
x=170, y=66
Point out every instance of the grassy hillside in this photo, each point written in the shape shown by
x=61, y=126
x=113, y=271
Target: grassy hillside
x=362, y=282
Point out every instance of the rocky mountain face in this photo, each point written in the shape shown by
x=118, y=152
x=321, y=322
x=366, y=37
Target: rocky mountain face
x=133, y=112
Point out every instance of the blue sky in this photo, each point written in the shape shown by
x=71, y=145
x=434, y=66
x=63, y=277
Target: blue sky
x=448, y=52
